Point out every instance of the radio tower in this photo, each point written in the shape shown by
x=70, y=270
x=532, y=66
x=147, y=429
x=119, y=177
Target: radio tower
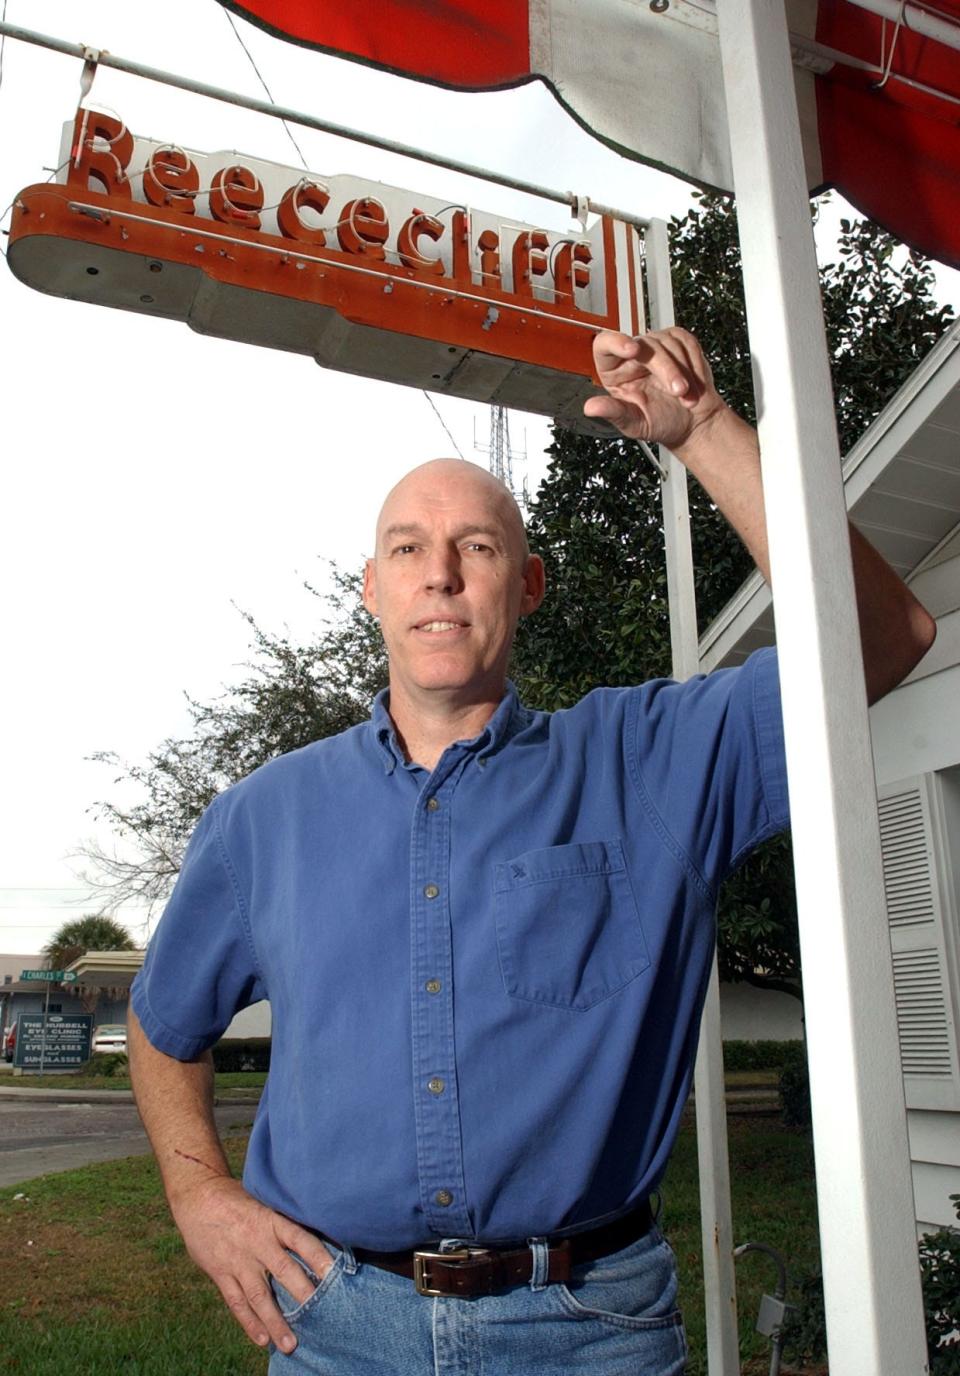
x=501, y=453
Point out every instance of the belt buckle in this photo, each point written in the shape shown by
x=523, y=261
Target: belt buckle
x=422, y=1260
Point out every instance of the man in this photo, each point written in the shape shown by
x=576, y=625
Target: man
x=485, y=934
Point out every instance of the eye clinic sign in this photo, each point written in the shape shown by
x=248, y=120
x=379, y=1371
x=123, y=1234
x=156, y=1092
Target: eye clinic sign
x=52, y=1041
x=367, y=278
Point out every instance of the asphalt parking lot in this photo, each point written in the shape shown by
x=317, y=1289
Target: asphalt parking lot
x=45, y=1136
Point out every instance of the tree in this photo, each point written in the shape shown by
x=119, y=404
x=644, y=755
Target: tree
x=82, y=934
x=597, y=518
x=879, y=310
x=292, y=695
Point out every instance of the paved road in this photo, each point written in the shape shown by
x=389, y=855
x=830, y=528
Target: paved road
x=39, y=1138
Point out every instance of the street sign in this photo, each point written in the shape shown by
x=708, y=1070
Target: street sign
x=64, y=1040
x=58, y=976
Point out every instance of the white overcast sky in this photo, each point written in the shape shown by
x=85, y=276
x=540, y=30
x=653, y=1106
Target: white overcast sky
x=153, y=477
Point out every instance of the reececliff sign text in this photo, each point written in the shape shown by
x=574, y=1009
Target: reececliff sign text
x=367, y=278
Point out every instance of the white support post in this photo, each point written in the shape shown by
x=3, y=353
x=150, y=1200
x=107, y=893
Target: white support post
x=867, y=1228
x=719, y=1280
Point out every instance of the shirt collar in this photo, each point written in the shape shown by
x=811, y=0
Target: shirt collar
x=502, y=725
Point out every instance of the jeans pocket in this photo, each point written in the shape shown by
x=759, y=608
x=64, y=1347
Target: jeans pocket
x=293, y=1309
x=568, y=928
x=634, y=1288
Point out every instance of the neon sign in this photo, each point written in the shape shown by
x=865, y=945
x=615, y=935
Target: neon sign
x=367, y=278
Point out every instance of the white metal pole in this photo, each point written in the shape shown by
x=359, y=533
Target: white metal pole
x=867, y=1228
x=719, y=1280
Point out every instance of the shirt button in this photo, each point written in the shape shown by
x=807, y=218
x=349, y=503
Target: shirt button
x=435, y=1085
x=433, y=804
x=433, y=986
x=431, y=890
x=443, y=1198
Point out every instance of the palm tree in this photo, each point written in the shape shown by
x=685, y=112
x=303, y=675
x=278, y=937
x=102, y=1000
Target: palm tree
x=84, y=934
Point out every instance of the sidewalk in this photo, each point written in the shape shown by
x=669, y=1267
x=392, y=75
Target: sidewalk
x=742, y=1100
x=108, y=1096
x=739, y=1101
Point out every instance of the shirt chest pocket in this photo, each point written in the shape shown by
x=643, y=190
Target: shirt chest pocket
x=568, y=929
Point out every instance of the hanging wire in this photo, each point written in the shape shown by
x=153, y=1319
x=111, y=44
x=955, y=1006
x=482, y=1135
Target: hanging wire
x=444, y=424
x=901, y=15
x=3, y=214
x=3, y=40
x=304, y=161
x=253, y=64
x=3, y=44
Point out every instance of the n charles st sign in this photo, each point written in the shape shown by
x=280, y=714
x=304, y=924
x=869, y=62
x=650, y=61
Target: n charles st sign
x=366, y=278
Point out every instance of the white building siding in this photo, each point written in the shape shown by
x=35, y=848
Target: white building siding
x=916, y=732
x=934, y=1150
x=250, y=1022
x=749, y=1014
x=917, y=728
x=932, y=1187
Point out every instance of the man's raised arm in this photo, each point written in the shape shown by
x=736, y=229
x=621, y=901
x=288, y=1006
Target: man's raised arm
x=229, y=1234
x=660, y=389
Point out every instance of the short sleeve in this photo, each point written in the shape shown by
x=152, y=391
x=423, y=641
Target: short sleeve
x=200, y=967
x=709, y=756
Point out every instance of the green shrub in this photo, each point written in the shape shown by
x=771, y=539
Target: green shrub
x=794, y=1087
x=756, y=1055
x=107, y=1063
x=805, y=1334
x=252, y=1054
x=940, y=1274
x=804, y=1330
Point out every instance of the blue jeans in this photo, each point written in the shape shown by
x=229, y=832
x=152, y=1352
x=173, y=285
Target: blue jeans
x=617, y=1317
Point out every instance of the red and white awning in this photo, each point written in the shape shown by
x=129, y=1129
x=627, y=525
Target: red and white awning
x=879, y=97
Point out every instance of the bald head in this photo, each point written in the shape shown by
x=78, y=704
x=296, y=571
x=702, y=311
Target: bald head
x=444, y=484
x=449, y=582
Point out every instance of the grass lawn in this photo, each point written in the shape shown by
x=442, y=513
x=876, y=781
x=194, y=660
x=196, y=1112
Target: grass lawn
x=228, y=1081
x=751, y=1079
x=224, y=1082
x=96, y=1281
x=774, y=1201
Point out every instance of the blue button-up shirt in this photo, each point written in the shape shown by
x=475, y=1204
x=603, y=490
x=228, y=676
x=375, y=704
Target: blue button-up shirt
x=485, y=981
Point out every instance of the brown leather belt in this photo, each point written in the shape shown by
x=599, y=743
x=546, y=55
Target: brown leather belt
x=479, y=1270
